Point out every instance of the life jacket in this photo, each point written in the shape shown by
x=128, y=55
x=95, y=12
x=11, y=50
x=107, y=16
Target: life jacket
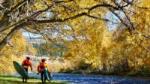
x=42, y=66
x=26, y=63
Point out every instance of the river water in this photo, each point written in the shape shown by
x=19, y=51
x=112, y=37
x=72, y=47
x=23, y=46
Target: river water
x=95, y=79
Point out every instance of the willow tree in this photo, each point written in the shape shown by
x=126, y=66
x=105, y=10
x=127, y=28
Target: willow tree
x=28, y=14
x=12, y=51
x=40, y=16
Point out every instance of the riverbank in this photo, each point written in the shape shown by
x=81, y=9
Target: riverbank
x=17, y=80
x=62, y=78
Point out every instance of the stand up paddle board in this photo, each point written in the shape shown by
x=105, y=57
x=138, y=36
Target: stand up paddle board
x=47, y=74
x=20, y=69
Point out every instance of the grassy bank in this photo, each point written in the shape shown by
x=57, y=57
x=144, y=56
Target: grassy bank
x=15, y=80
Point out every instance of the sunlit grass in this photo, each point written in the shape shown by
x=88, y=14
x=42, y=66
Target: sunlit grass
x=15, y=80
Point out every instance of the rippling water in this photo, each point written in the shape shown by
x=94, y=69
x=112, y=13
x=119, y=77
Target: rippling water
x=97, y=79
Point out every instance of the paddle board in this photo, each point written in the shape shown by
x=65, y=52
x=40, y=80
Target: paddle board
x=20, y=69
x=47, y=74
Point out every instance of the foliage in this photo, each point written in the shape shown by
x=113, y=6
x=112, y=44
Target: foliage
x=12, y=51
x=81, y=28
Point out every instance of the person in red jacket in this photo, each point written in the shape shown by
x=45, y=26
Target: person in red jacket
x=41, y=69
x=26, y=64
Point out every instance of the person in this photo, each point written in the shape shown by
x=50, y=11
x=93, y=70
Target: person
x=42, y=67
x=26, y=64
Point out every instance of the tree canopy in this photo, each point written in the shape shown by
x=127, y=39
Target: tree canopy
x=81, y=26
x=28, y=14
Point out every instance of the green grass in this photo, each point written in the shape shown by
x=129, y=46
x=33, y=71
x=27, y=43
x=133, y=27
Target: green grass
x=15, y=80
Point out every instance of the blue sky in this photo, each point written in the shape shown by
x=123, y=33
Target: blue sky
x=28, y=34
x=112, y=26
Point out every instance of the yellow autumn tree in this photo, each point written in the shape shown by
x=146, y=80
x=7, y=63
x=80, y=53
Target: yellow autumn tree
x=13, y=51
x=88, y=22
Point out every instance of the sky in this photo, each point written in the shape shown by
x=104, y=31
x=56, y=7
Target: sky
x=28, y=35
x=112, y=26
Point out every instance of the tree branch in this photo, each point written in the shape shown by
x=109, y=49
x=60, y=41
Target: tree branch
x=9, y=35
x=16, y=6
x=102, y=5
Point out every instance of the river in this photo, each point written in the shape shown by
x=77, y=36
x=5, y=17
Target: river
x=95, y=79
